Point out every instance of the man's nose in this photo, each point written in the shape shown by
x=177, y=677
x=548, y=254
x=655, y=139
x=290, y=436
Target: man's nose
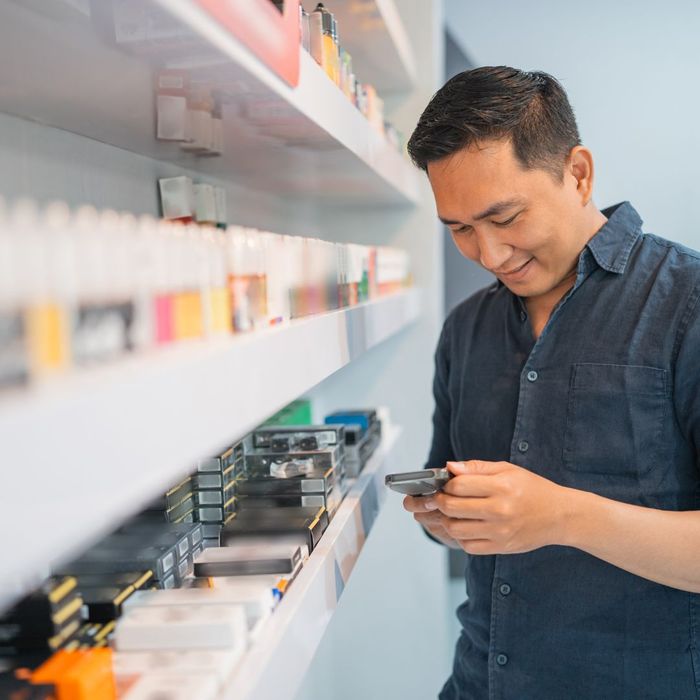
x=492, y=253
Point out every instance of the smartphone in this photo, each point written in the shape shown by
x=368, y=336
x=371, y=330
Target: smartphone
x=423, y=483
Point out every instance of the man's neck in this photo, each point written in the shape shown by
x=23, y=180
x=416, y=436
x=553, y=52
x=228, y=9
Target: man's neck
x=540, y=308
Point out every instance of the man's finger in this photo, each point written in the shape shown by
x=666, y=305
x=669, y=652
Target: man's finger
x=472, y=485
x=417, y=504
x=476, y=466
x=430, y=520
x=464, y=507
x=459, y=529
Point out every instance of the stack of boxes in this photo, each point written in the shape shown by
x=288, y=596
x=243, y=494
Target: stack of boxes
x=215, y=491
x=363, y=433
x=174, y=506
x=44, y=621
x=166, y=549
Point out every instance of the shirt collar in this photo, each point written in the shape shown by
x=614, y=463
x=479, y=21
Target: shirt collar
x=612, y=244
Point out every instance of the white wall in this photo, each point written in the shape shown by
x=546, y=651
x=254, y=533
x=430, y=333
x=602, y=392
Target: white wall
x=631, y=71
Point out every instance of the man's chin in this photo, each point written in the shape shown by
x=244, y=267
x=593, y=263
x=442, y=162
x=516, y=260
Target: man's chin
x=526, y=290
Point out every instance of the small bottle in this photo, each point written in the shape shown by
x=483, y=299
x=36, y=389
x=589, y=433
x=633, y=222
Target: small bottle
x=372, y=273
x=345, y=73
x=297, y=276
x=305, y=28
x=355, y=274
x=247, y=281
x=102, y=323
x=343, y=287
x=188, y=314
x=313, y=274
x=200, y=248
x=328, y=45
x=363, y=291
x=331, y=276
x=14, y=349
x=219, y=314
x=124, y=271
x=144, y=269
x=47, y=320
x=277, y=274
x=335, y=51
x=316, y=36
x=161, y=258
x=235, y=256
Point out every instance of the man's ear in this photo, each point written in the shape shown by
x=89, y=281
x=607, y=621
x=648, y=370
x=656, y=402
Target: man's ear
x=580, y=167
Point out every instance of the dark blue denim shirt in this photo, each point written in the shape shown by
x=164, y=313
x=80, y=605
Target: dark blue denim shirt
x=607, y=400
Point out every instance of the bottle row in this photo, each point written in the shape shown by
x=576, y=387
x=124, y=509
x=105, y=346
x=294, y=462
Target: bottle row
x=319, y=36
x=79, y=288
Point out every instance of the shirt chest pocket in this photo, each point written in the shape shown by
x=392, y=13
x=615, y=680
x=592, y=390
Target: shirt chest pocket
x=615, y=419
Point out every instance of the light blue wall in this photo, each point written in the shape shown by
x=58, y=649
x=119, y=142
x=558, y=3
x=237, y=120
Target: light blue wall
x=630, y=69
x=391, y=636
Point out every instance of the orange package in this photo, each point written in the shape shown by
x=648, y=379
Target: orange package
x=79, y=675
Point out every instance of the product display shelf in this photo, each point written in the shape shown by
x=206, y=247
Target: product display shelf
x=275, y=665
x=373, y=33
x=85, y=451
x=306, y=141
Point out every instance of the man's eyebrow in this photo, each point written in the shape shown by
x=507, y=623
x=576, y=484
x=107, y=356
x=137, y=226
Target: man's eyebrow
x=493, y=210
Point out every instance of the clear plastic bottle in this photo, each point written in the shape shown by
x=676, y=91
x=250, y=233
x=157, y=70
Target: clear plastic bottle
x=14, y=349
x=220, y=301
x=187, y=304
x=247, y=278
x=104, y=313
x=46, y=319
x=162, y=257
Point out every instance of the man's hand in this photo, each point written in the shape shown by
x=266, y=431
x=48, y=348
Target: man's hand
x=495, y=508
x=432, y=520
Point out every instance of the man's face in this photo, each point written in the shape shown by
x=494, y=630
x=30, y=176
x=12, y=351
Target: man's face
x=522, y=225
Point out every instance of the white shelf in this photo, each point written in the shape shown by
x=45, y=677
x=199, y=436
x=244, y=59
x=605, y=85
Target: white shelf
x=87, y=451
x=275, y=666
x=373, y=33
x=307, y=141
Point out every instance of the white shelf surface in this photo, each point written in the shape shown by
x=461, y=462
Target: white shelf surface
x=310, y=141
x=90, y=449
x=274, y=667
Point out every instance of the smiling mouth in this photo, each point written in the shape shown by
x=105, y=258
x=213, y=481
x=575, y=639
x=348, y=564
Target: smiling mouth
x=517, y=269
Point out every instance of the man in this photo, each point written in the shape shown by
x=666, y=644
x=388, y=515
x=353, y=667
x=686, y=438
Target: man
x=567, y=408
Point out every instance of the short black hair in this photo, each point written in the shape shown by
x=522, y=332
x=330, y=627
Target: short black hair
x=493, y=103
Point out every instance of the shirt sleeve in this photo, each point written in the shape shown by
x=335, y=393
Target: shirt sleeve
x=687, y=376
x=441, y=445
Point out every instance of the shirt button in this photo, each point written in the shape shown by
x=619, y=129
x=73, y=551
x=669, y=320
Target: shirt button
x=523, y=316
x=532, y=376
x=501, y=659
x=523, y=446
x=505, y=589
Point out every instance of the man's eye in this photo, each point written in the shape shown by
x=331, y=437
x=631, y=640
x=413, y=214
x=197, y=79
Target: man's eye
x=507, y=221
x=461, y=229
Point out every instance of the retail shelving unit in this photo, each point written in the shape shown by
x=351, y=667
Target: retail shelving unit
x=276, y=663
